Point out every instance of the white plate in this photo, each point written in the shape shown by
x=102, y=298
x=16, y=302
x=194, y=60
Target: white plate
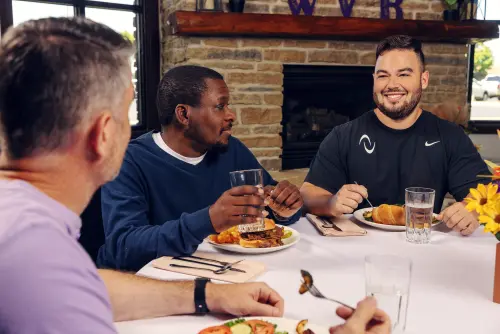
x=288, y=242
x=358, y=214
x=288, y=325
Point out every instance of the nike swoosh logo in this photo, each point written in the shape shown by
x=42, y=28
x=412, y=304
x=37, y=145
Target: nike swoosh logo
x=430, y=144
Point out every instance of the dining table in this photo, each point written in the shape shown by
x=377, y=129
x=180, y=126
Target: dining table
x=451, y=287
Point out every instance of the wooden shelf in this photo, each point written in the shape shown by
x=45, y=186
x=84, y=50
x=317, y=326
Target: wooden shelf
x=316, y=27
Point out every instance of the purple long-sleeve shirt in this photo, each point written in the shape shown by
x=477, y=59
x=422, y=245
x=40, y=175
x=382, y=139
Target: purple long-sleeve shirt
x=48, y=283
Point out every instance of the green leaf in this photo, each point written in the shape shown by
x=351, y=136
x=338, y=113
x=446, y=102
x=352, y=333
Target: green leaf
x=483, y=61
x=234, y=322
x=498, y=236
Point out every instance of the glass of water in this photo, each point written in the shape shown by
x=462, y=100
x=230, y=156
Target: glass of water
x=250, y=177
x=419, y=205
x=388, y=279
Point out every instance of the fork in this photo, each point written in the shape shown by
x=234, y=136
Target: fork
x=219, y=271
x=366, y=197
x=316, y=293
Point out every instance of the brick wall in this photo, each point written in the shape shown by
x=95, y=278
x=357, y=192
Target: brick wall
x=253, y=67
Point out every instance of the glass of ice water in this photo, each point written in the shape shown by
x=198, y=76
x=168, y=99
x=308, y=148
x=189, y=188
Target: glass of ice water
x=388, y=279
x=419, y=205
x=250, y=177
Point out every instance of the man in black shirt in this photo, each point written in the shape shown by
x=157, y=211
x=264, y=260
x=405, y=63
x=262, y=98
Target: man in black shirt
x=396, y=146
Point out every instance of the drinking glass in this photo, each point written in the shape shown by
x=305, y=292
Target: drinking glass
x=250, y=177
x=388, y=278
x=419, y=205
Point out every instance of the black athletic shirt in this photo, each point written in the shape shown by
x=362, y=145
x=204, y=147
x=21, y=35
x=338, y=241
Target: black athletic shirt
x=432, y=153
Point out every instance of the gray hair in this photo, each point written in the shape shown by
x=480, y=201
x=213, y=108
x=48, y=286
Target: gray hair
x=55, y=74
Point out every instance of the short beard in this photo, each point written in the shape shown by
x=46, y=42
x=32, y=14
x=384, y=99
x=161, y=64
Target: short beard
x=402, y=112
x=193, y=133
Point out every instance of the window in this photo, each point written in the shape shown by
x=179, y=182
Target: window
x=124, y=23
x=485, y=74
x=134, y=19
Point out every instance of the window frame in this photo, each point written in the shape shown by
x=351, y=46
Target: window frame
x=481, y=127
x=148, y=55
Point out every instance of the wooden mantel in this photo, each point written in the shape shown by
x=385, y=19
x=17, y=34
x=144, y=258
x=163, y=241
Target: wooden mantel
x=214, y=24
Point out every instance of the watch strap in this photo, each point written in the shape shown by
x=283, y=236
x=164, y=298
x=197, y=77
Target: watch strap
x=200, y=301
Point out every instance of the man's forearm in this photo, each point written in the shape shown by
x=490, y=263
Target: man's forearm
x=134, y=297
x=319, y=206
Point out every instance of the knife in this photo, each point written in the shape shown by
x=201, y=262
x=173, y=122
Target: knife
x=180, y=258
x=332, y=224
x=206, y=259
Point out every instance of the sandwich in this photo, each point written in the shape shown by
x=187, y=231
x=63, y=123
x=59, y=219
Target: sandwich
x=270, y=237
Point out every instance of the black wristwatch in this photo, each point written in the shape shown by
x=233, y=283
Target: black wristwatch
x=200, y=301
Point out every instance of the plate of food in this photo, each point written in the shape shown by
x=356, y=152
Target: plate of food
x=265, y=325
x=386, y=217
x=273, y=238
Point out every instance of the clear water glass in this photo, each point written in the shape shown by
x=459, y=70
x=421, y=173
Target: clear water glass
x=250, y=177
x=419, y=207
x=388, y=279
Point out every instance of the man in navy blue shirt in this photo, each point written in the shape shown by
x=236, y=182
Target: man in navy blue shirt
x=173, y=189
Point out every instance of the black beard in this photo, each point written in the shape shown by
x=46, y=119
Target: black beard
x=193, y=133
x=402, y=112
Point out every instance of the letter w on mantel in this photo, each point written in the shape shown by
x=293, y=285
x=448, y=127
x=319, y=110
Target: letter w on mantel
x=302, y=5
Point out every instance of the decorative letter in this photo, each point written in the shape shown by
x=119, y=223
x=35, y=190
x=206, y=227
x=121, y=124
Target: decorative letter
x=386, y=4
x=346, y=7
x=303, y=5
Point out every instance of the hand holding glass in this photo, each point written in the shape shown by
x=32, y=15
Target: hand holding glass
x=252, y=177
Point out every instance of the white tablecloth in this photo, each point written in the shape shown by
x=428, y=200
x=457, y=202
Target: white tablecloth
x=451, y=290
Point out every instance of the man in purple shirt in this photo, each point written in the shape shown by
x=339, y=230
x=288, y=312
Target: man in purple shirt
x=65, y=91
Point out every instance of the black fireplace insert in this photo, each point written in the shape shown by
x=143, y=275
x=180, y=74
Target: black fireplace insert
x=316, y=99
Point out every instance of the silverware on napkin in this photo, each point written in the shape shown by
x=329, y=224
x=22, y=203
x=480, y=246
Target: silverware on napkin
x=229, y=265
x=327, y=223
x=206, y=259
x=220, y=271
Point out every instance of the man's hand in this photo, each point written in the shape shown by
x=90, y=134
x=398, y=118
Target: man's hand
x=347, y=199
x=358, y=322
x=238, y=205
x=458, y=218
x=248, y=299
x=284, y=199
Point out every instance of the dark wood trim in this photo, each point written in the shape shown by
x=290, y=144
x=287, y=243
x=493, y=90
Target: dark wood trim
x=470, y=72
x=316, y=27
x=54, y=2
x=484, y=127
x=116, y=6
x=149, y=57
x=6, y=18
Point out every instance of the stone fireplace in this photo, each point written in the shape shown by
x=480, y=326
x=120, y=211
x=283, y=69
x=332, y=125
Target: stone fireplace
x=264, y=77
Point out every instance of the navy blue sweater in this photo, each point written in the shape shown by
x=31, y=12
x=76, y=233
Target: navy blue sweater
x=158, y=205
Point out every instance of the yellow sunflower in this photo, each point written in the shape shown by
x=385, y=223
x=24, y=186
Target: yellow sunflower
x=491, y=218
x=482, y=197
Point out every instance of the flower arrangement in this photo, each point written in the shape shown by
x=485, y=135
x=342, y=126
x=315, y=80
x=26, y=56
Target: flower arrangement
x=485, y=200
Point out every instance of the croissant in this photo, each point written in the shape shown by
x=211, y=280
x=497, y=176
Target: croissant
x=389, y=215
